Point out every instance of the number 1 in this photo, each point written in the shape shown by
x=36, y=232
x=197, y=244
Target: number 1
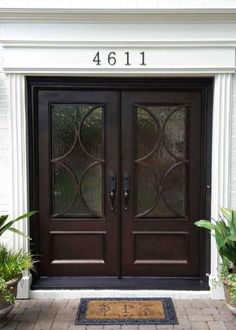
x=127, y=58
x=143, y=58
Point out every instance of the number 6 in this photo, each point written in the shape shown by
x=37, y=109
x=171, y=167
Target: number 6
x=111, y=58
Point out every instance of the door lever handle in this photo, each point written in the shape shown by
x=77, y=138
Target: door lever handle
x=126, y=191
x=112, y=190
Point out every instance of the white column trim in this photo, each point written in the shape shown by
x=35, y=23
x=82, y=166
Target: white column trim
x=221, y=143
x=18, y=168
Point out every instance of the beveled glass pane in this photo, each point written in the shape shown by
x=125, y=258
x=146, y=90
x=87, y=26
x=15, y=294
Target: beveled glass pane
x=161, y=157
x=146, y=183
x=64, y=188
x=77, y=133
x=172, y=201
x=63, y=130
x=146, y=127
x=175, y=134
x=91, y=132
x=91, y=189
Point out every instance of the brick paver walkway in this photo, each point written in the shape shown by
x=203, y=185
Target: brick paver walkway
x=60, y=315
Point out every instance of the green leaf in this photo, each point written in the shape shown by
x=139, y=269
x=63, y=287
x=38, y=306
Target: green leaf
x=232, y=238
x=205, y=224
x=227, y=213
x=3, y=219
x=220, y=240
x=233, y=224
x=8, y=225
x=16, y=231
x=26, y=215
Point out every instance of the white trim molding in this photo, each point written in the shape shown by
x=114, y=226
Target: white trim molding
x=19, y=168
x=76, y=59
x=221, y=159
x=111, y=12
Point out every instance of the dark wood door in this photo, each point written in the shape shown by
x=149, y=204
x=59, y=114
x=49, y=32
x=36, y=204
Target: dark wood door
x=78, y=165
x=161, y=187
x=120, y=177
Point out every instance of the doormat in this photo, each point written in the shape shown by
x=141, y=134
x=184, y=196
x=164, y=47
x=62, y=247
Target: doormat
x=126, y=311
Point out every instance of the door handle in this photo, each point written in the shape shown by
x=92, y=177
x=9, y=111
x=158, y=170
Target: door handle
x=126, y=190
x=112, y=190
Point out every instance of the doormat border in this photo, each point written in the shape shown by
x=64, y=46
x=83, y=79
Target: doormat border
x=168, y=306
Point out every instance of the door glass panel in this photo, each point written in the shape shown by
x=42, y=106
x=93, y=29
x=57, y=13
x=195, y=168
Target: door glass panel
x=77, y=159
x=161, y=160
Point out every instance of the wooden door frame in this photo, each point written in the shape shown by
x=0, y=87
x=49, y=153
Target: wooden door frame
x=205, y=86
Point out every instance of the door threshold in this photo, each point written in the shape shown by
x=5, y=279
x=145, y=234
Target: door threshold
x=127, y=283
x=121, y=293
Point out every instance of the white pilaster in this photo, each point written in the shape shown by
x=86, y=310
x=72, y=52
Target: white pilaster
x=18, y=164
x=220, y=159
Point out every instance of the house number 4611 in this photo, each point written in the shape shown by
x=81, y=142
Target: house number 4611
x=112, y=58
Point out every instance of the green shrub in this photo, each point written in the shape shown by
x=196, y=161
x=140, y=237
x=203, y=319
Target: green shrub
x=12, y=265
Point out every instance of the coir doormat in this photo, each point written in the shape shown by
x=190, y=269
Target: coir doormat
x=126, y=311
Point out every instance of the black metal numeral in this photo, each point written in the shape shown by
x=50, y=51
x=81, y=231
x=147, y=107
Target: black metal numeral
x=97, y=59
x=127, y=58
x=111, y=58
x=143, y=58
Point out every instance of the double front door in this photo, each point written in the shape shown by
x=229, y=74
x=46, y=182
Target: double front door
x=119, y=182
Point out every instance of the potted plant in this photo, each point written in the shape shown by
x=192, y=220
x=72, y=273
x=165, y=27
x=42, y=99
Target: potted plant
x=12, y=265
x=224, y=231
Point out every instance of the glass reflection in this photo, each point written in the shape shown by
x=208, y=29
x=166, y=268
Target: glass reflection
x=77, y=159
x=161, y=158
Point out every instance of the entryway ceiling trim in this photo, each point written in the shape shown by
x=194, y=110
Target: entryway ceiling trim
x=106, y=14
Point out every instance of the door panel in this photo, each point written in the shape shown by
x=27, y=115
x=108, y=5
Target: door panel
x=161, y=156
x=79, y=233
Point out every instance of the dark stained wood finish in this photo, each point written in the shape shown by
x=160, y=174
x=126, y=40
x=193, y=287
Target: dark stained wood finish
x=78, y=246
x=124, y=246
x=162, y=246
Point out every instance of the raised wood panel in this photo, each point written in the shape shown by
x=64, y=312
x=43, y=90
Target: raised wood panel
x=78, y=247
x=161, y=247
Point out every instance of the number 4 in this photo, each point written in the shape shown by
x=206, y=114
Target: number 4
x=97, y=59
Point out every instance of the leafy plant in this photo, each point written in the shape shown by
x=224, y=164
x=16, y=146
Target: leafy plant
x=5, y=292
x=224, y=230
x=12, y=265
x=8, y=225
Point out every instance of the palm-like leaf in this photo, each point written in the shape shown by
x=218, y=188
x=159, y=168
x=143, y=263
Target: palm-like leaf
x=205, y=224
x=4, y=225
x=3, y=219
x=224, y=230
x=16, y=231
